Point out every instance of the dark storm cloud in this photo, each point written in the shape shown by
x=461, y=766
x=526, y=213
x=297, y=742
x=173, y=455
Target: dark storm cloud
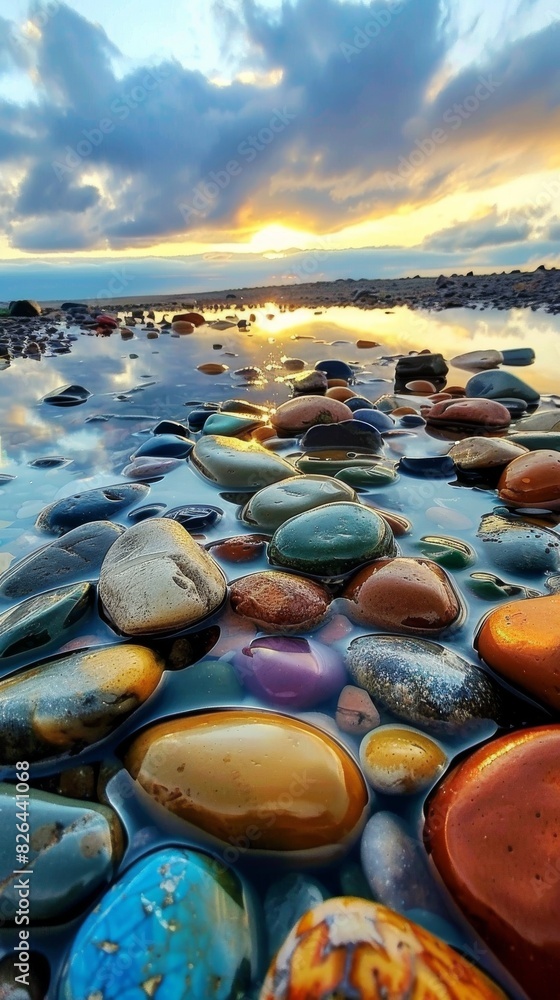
x=347, y=133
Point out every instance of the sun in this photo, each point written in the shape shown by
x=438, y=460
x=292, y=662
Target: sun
x=275, y=238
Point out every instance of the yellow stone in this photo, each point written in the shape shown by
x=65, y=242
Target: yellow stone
x=253, y=779
x=400, y=760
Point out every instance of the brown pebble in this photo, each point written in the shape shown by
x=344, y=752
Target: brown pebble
x=240, y=548
x=263, y=434
x=280, y=601
x=438, y=397
x=403, y=411
x=333, y=382
x=212, y=368
x=340, y=392
x=181, y=326
x=355, y=713
x=420, y=387
x=366, y=343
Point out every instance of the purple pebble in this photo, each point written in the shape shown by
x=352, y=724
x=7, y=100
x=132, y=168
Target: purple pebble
x=290, y=671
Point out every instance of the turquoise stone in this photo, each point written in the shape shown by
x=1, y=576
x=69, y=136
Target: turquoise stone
x=499, y=384
x=42, y=619
x=230, y=424
x=211, y=682
x=332, y=540
x=449, y=552
x=537, y=440
x=174, y=927
x=75, y=848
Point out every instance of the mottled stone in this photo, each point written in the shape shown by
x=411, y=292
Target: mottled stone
x=491, y=828
x=404, y=595
x=396, y=868
x=280, y=601
x=520, y=642
x=92, y=505
x=518, y=547
x=78, y=554
x=239, y=548
x=70, y=703
x=43, y=619
x=532, y=481
x=74, y=849
x=176, y=926
x=478, y=453
x=297, y=415
x=423, y=683
x=332, y=540
x=398, y=760
x=300, y=791
x=350, y=947
x=355, y=712
x=239, y=464
x=157, y=579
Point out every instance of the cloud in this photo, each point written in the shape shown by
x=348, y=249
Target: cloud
x=489, y=231
x=341, y=132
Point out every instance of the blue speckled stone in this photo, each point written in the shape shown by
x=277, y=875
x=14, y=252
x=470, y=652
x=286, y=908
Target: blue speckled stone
x=335, y=369
x=174, y=927
x=381, y=421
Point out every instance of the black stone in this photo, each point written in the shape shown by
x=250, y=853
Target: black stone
x=350, y=435
x=195, y=517
x=92, y=505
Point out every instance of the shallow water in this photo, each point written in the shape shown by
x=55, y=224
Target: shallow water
x=136, y=382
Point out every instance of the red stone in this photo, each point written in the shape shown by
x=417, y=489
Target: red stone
x=471, y=412
x=532, y=480
x=197, y=319
x=493, y=829
x=240, y=548
x=106, y=320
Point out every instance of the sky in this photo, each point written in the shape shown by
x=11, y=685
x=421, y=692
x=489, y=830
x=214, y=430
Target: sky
x=198, y=144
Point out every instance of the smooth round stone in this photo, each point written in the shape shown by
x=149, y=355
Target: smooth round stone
x=368, y=476
x=212, y=368
x=335, y=369
x=434, y=467
x=212, y=682
x=182, y=326
x=280, y=601
x=518, y=356
x=404, y=595
x=290, y=672
x=75, y=848
x=176, y=926
x=338, y=389
x=332, y=540
x=147, y=467
x=43, y=619
x=157, y=579
x=257, y=779
x=198, y=417
x=420, y=387
x=520, y=642
x=537, y=440
x=421, y=365
x=70, y=703
x=358, y=403
x=239, y=464
x=351, y=435
x=286, y=901
x=78, y=553
x=543, y=420
x=239, y=548
x=230, y=424
x=467, y=413
x=143, y=513
x=423, y=683
x=195, y=517
x=197, y=319
x=351, y=947
x=412, y=420
x=67, y=395
x=477, y=453
x=516, y=407
x=532, y=480
x=298, y=415
x=93, y=505
x=492, y=828
x=518, y=547
x=381, y=421
x=243, y=406
x=499, y=384
x=309, y=383
x=164, y=446
x=398, y=760
x=355, y=712
x=270, y=507
x=478, y=360
x=395, y=866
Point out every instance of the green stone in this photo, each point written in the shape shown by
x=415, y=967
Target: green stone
x=368, y=476
x=330, y=463
x=490, y=588
x=230, y=424
x=535, y=440
x=43, y=619
x=74, y=849
x=449, y=552
x=238, y=464
x=211, y=682
x=269, y=508
x=331, y=541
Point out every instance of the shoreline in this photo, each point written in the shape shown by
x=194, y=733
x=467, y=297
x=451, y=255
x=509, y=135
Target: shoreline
x=516, y=289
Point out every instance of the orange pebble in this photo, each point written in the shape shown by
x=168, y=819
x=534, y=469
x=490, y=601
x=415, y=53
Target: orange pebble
x=333, y=382
x=440, y=396
x=262, y=433
x=420, y=387
x=402, y=411
x=340, y=392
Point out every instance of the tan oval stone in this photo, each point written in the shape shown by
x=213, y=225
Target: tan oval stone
x=297, y=415
x=263, y=780
x=485, y=453
x=159, y=579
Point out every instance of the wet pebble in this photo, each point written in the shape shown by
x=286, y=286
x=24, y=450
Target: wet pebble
x=239, y=464
x=239, y=548
x=398, y=760
x=289, y=671
x=92, y=505
x=43, y=619
x=278, y=601
x=396, y=867
x=298, y=415
x=514, y=545
x=533, y=480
